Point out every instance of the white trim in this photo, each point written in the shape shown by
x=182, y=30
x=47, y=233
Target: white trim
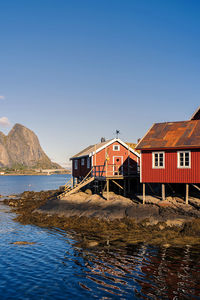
x=122, y=161
x=111, y=142
x=141, y=166
x=153, y=160
x=178, y=159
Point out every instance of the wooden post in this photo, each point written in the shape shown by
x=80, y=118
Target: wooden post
x=73, y=182
x=143, y=193
x=128, y=162
x=163, y=191
x=107, y=181
x=187, y=193
x=106, y=161
x=95, y=159
x=124, y=187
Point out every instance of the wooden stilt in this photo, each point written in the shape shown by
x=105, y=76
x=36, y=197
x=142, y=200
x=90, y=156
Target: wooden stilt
x=107, y=181
x=163, y=191
x=187, y=193
x=143, y=193
x=124, y=187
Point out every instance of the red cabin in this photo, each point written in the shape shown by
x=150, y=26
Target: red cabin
x=170, y=153
x=112, y=158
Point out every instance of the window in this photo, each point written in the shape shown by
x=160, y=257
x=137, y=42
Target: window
x=116, y=147
x=184, y=159
x=76, y=164
x=88, y=162
x=82, y=161
x=158, y=159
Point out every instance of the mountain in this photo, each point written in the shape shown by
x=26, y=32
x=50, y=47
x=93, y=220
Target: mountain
x=21, y=148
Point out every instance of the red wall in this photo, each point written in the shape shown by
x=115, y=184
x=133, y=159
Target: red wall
x=170, y=174
x=82, y=170
x=100, y=160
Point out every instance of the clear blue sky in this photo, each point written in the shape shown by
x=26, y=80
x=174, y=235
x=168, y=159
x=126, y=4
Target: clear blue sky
x=73, y=71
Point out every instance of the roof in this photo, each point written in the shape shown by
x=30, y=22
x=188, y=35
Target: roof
x=89, y=151
x=196, y=114
x=133, y=146
x=185, y=134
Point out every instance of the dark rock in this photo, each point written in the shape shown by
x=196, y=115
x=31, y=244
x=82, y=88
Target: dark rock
x=141, y=212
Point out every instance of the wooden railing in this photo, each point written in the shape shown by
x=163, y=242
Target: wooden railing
x=111, y=170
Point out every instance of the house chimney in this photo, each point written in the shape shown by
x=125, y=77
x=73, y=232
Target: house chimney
x=138, y=140
x=103, y=139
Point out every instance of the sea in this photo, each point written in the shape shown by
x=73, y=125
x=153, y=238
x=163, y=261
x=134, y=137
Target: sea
x=55, y=267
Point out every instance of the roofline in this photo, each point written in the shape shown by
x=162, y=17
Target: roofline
x=72, y=158
x=196, y=111
x=112, y=141
x=136, y=147
x=106, y=145
x=170, y=148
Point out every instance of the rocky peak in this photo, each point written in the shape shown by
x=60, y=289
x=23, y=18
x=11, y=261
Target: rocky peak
x=21, y=147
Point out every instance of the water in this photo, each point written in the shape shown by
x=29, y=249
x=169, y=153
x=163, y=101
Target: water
x=55, y=268
x=18, y=184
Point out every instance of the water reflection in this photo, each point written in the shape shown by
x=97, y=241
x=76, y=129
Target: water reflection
x=143, y=272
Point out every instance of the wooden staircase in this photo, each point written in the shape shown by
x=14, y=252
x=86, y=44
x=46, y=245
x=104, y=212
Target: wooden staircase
x=70, y=189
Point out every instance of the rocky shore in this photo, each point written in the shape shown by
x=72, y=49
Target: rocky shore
x=119, y=221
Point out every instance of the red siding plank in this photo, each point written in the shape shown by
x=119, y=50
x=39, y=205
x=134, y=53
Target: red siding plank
x=171, y=174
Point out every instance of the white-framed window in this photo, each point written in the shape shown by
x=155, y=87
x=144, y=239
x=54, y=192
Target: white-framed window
x=158, y=160
x=76, y=164
x=183, y=159
x=116, y=147
x=88, y=163
x=82, y=161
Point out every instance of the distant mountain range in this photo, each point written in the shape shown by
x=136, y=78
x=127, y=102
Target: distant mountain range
x=21, y=149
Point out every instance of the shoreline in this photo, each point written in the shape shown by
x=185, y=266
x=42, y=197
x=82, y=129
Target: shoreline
x=96, y=222
x=31, y=174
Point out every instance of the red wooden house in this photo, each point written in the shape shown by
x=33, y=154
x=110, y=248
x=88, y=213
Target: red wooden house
x=112, y=158
x=170, y=153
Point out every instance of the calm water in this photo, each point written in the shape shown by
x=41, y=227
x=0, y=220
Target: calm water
x=18, y=184
x=55, y=268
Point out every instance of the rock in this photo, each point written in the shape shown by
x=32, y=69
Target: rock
x=88, y=191
x=23, y=243
x=141, y=212
x=176, y=222
x=192, y=228
x=21, y=148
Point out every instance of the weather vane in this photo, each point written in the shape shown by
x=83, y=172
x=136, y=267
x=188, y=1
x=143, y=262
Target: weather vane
x=117, y=133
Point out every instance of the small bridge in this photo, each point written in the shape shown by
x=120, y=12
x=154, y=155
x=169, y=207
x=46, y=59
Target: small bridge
x=50, y=171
